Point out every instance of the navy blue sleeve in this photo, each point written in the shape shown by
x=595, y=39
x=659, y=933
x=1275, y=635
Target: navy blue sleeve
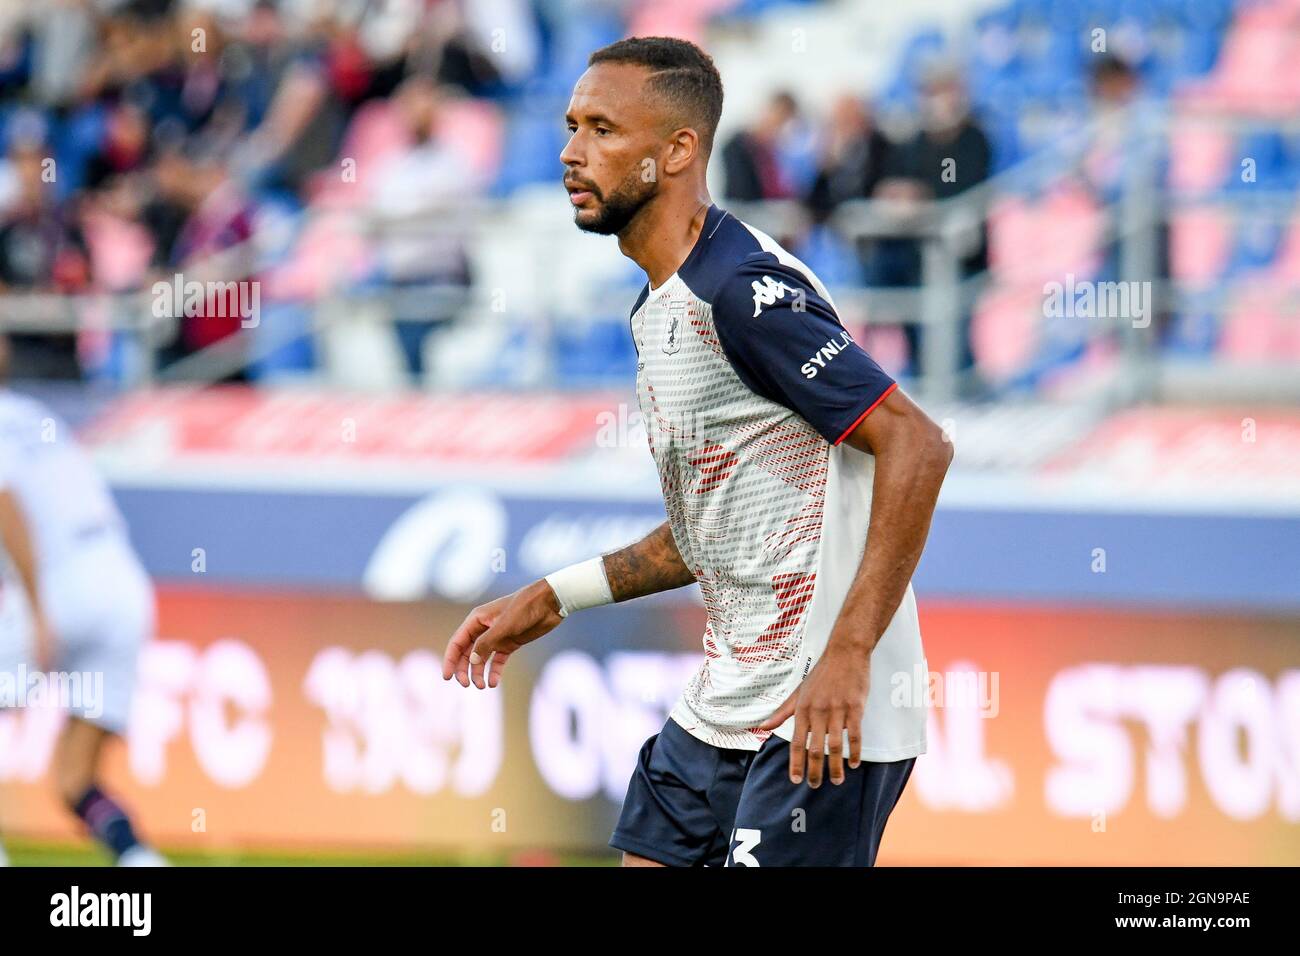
x=787, y=344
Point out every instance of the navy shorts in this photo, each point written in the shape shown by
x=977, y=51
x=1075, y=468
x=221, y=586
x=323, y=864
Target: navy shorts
x=690, y=804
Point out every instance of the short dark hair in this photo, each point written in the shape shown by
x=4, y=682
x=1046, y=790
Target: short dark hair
x=1111, y=67
x=680, y=72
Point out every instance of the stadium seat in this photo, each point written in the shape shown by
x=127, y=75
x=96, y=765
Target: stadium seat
x=1272, y=165
x=285, y=343
x=1201, y=157
x=1045, y=239
x=1003, y=328
x=534, y=138
x=358, y=349
x=827, y=254
x=1287, y=265
x=1200, y=244
x=1256, y=244
x=1194, y=332
x=1258, y=327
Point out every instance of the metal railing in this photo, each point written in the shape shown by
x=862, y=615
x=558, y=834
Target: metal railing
x=944, y=295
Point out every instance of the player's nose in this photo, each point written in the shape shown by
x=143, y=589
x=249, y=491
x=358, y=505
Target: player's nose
x=571, y=155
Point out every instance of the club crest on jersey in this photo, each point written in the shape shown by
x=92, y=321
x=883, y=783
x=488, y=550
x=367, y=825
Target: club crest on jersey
x=673, y=328
x=768, y=291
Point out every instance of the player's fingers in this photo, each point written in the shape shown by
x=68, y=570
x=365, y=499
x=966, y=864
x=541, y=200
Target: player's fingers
x=484, y=647
x=835, y=748
x=455, y=662
x=498, y=664
x=798, y=746
x=855, y=741
x=816, y=748
x=462, y=665
x=451, y=657
x=782, y=713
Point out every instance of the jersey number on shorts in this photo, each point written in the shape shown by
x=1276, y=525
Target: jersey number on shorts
x=740, y=856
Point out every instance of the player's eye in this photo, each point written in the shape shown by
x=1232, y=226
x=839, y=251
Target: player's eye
x=601, y=130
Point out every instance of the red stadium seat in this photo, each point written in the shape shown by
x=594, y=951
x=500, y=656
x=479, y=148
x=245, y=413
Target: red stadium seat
x=1201, y=157
x=1256, y=73
x=1044, y=240
x=1258, y=327
x=1200, y=243
x=1287, y=267
x=1003, y=328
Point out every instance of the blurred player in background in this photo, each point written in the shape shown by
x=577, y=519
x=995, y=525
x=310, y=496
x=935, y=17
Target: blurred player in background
x=74, y=600
x=782, y=448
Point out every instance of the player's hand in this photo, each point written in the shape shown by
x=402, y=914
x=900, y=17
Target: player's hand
x=496, y=630
x=831, y=700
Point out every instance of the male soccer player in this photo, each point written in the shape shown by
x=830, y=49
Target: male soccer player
x=799, y=484
x=75, y=606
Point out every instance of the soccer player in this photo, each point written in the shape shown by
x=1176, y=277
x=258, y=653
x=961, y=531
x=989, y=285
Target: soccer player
x=74, y=600
x=799, y=484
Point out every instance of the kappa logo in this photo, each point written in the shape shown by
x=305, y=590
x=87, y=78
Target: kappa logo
x=673, y=328
x=768, y=291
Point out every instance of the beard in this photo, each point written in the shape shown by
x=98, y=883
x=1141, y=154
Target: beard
x=615, y=213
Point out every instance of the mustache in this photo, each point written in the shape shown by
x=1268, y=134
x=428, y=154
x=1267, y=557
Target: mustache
x=575, y=183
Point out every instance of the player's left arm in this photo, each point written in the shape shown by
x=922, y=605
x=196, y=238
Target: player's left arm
x=786, y=342
x=912, y=457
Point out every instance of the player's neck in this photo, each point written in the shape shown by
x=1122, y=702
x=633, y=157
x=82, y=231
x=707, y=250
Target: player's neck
x=663, y=234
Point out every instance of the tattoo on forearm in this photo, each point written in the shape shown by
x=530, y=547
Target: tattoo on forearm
x=651, y=565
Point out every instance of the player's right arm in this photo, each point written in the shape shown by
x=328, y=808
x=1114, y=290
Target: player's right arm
x=495, y=630
x=17, y=543
x=651, y=565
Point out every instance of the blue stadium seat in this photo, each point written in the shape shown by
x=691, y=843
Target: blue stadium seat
x=285, y=334
x=1256, y=244
x=1273, y=166
x=595, y=353
x=74, y=141
x=1193, y=333
x=572, y=43
x=534, y=138
x=833, y=260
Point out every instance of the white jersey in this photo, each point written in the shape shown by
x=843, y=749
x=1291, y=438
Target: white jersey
x=63, y=498
x=96, y=596
x=748, y=385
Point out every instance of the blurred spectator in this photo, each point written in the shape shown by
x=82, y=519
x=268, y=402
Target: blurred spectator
x=124, y=149
x=751, y=158
x=948, y=155
x=474, y=56
x=285, y=86
x=423, y=184
x=852, y=158
x=62, y=42
x=204, y=222
x=1114, y=89
x=1124, y=122
x=41, y=250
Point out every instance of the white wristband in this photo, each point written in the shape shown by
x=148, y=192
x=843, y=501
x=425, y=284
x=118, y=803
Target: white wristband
x=580, y=586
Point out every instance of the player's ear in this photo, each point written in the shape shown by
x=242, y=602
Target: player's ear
x=683, y=147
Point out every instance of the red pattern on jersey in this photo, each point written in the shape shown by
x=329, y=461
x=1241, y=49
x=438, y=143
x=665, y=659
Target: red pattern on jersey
x=792, y=452
x=797, y=455
x=715, y=465
x=804, y=525
x=793, y=593
x=705, y=330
